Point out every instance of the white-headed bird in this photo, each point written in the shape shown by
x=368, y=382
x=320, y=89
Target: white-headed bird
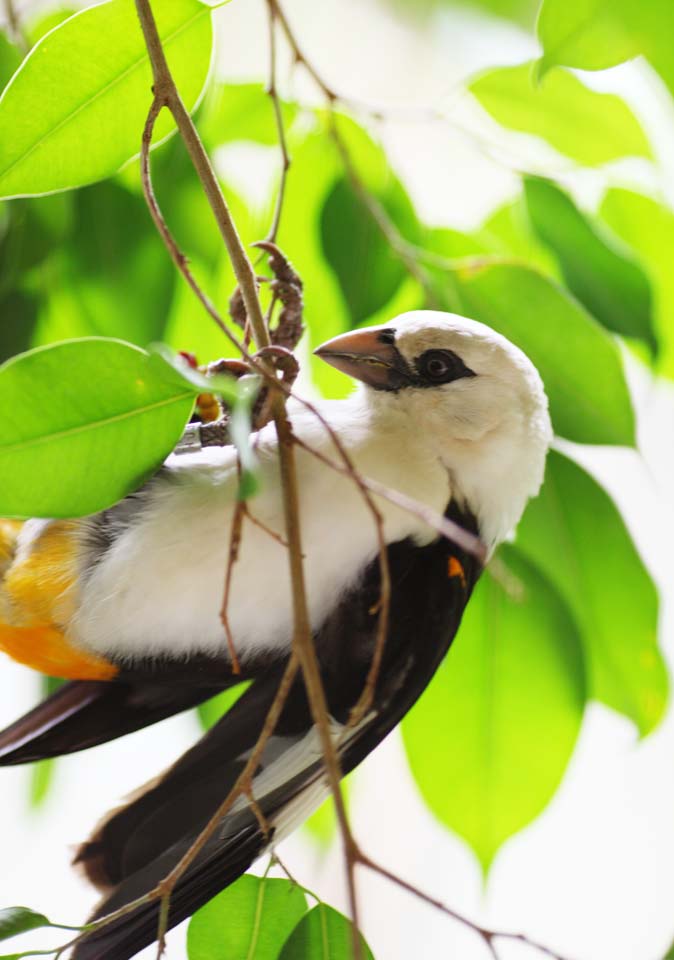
x=126, y=603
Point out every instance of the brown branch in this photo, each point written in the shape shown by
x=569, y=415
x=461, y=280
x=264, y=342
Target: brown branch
x=303, y=648
x=233, y=556
x=280, y=129
x=15, y=27
x=487, y=934
x=178, y=258
x=166, y=92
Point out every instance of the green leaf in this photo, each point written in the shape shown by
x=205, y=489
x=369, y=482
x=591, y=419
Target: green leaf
x=175, y=368
x=241, y=111
x=18, y=318
x=503, y=710
x=589, y=34
x=609, y=282
x=121, y=277
x=34, y=229
x=10, y=58
x=368, y=271
x=648, y=227
x=36, y=28
x=575, y=534
x=591, y=127
x=212, y=710
x=42, y=772
x=96, y=418
x=16, y=920
x=250, y=920
x=61, y=128
x=595, y=34
x=577, y=359
x=322, y=934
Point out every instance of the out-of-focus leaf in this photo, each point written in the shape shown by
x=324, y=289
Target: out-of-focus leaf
x=35, y=228
x=120, y=274
x=96, y=418
x=101, y=100
x=315, y=170
x=211, y=710
x=577, y=359
x=591, y=127
x=575, y=534
x=18, y=317
x=250, y=919
x=508, y=232
x=368, y=270
x=503, y=710
x=608, y=281
x=10, y=58
x=322, y=934
x=241, y=111
x=595, y=34
x=648, y=227
x=16, y=920
x=42, y=772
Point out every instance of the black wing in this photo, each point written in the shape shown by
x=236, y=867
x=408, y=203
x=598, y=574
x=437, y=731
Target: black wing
x=138, y=845
x=84, y=713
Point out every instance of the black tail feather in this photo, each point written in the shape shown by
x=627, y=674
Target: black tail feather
x=84, y=713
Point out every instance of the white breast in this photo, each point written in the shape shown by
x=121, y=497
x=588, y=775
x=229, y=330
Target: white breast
x=159, y=587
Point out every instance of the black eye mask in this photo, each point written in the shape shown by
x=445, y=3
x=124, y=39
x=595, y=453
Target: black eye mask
x=440, y=366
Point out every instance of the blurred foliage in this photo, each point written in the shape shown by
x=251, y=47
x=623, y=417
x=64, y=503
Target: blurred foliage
x=571, y=611
x=512, y=692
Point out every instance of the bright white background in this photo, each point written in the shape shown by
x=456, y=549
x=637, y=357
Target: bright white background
x=593, y=877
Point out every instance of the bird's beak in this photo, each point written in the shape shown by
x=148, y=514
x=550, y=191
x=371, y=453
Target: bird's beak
x=369, y=355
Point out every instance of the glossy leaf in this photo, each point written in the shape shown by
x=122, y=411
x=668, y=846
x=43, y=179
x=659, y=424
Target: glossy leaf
x=604, y=277
x=569, y=348
x=575, y=534
x=322, y=934
x=591, y=127
x=490, y=739
x=16, y=920
x=249, y=920
x=60, y=128
x=37, y=27
x=648, y=227
x=96, y=419
x=368, y=271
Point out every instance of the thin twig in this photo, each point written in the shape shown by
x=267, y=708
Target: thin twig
x=443, y=525
x=303, y=647
x=166, y=92
x=232, y=557
x=178, y=258
x=280, y=129
x=487, y=934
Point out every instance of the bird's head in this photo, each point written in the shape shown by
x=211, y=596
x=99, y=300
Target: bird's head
x=476, y=396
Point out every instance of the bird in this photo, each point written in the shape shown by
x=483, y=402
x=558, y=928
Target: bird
x=125, y=604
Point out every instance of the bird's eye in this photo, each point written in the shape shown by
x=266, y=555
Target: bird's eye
x=442, y=366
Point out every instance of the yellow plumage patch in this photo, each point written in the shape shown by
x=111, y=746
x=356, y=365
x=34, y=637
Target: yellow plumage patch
x=37, y=600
